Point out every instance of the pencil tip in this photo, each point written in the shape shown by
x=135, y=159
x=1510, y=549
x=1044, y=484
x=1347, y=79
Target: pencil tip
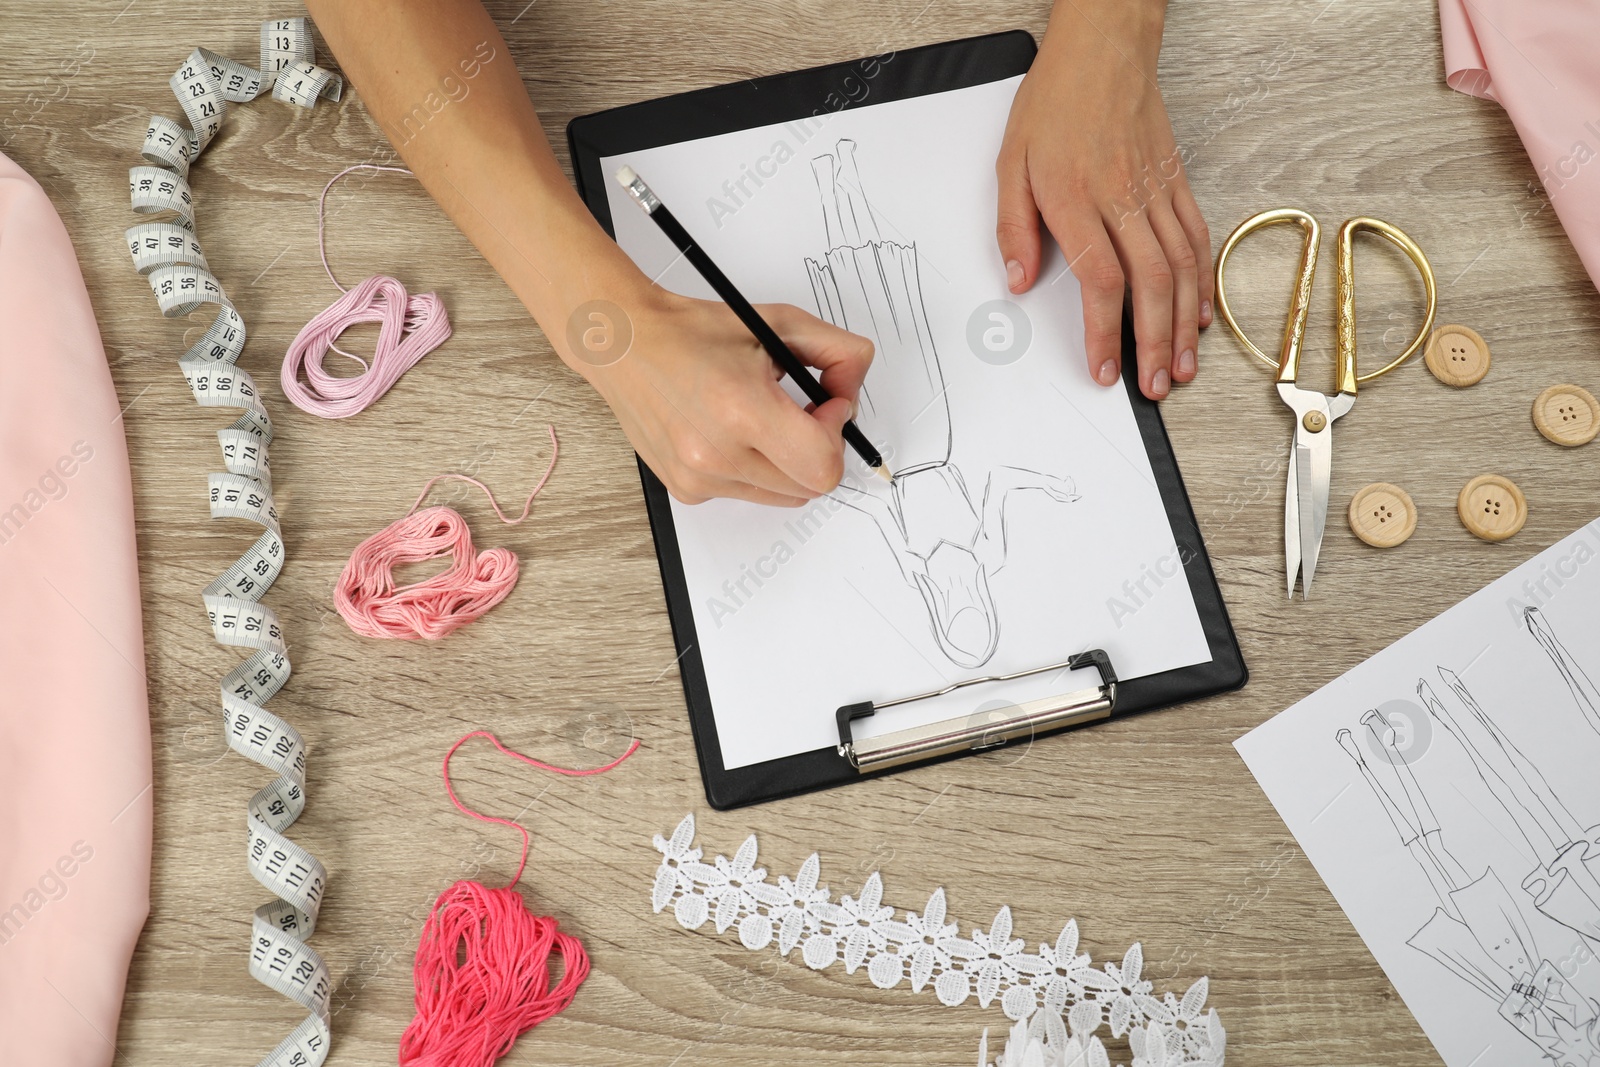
x=886, y=474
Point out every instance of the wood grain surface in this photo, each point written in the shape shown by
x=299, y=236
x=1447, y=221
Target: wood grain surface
x=1148, y=829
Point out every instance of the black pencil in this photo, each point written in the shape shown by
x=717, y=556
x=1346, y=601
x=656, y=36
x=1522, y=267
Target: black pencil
x=741, y=307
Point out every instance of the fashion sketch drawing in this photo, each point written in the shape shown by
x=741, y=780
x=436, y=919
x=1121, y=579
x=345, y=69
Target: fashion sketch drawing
x=1542, y=979
x=946, y=527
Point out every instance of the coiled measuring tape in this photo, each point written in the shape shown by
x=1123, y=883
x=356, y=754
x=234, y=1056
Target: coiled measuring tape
x=168, y=253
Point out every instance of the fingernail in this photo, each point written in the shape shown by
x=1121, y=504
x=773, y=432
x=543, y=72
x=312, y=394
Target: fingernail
x=1013, y=273
x=1108, y=372
x=1205, y=311
x=1186, y=362
x=1160, y=382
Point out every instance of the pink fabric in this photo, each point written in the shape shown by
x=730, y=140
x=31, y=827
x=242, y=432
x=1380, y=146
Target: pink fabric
x=74, y=726
x=1540, y=60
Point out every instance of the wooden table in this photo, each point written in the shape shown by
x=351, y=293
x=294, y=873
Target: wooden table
x=1147, y=829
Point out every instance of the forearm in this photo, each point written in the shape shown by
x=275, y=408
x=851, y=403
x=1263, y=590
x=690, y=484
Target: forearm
x=437, y=77
x=1130, y=27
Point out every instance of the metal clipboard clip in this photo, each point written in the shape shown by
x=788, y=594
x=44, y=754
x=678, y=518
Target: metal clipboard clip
x=950, y=736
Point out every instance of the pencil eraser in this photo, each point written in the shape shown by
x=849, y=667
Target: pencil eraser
x=626, y=175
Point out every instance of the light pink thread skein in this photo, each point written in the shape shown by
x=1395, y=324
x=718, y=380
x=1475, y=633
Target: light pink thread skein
x=409, y=328
x=369, y=600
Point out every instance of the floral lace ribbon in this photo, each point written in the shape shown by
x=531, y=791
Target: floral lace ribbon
x=926, y=950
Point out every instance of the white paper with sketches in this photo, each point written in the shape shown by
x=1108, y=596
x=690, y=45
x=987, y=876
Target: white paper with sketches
x=1448, y=791
x=1025, y=524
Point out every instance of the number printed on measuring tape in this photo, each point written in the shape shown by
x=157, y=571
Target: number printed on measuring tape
x=166, y=250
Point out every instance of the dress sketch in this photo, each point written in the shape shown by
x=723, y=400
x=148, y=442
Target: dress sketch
x=1481, y=931
x=945, y=527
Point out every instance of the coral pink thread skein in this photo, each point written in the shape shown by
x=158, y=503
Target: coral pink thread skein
x=482, y=975
x=369, y=600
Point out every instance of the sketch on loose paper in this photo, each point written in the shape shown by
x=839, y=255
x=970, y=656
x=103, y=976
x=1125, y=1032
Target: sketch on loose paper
x=1479, y=930
x=1447, y=789
x=946, y=544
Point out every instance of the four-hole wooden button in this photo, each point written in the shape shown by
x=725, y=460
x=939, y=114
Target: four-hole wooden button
x=1567, y=414
x=1457, y=356
x=1492, y=507
x=1383, y=515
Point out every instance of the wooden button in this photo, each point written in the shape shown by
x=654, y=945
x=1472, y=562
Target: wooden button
x=1383, y=515
x=1492, y=507
x=1567, y=414
x=1457, y=356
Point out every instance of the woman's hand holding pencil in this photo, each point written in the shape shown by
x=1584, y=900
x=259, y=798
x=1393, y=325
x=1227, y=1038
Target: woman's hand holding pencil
x=785, y=359
x=702, y=405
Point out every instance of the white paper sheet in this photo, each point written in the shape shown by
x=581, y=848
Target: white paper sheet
x=1032, y=526
x=1465, y=844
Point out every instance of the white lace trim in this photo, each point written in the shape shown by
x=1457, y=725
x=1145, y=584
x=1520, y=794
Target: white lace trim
x=925, y=950
x=1036, y=1044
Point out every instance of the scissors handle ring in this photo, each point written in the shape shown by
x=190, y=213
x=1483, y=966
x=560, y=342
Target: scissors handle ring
x=1347, y=291
x=1288, y=362
x=1300, y=300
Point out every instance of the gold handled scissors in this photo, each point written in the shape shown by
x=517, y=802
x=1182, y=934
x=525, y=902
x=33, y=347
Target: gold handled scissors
x=1305, y=509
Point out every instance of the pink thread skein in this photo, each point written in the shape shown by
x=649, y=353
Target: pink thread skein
x=374, y=606
x=482, y=975
x=409, y=328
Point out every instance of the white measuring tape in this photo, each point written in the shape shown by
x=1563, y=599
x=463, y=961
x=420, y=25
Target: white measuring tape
x=168, y=253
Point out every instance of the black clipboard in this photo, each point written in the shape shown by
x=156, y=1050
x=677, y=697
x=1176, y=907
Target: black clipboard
x=783, y=98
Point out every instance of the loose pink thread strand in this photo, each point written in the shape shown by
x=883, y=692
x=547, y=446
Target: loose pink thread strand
x=409, y=328
x=368, y=599
x=482, y=974
x=570, y=772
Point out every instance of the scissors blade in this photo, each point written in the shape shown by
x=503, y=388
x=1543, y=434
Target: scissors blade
x=1291, y=521
x=1315, y=462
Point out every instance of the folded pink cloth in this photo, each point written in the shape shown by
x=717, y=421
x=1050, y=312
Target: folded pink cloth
x=74, y=725
x=1540, y=60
